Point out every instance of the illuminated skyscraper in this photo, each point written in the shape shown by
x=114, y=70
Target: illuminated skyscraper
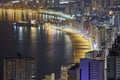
x=97, y=70
x=19, y=68
x=91, y=69
x=112, y=3
x=84, y=69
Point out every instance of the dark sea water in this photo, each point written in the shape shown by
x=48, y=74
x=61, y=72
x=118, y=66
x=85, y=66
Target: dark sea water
x=51, y=48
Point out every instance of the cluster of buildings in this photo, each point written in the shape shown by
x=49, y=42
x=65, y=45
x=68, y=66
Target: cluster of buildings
x=98, y=21
x=92, y=67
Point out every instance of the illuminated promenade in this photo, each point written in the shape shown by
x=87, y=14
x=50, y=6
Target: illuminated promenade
x=80, y=44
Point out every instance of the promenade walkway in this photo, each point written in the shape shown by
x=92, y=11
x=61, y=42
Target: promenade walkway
x=80, y=44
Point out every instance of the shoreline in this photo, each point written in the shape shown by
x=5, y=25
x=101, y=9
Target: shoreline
x=79, y=43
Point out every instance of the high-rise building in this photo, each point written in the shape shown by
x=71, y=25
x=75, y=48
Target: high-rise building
x=84, y=69
x=91, y=55
x=116, y=3
x=107, y=3
x=98, y=4
x=97, y=70
x=112, y=3
x=113, y=61
x=95, y=55
x=101, y=37
x=91, y=69
x=20, y=68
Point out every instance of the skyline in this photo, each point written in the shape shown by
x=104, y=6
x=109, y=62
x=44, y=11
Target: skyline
x=69, y=36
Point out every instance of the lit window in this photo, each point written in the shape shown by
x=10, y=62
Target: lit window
x=52, y=1
x=47, y=1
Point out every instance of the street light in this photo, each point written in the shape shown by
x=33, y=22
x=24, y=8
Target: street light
x=93, y=8
x=111, y=12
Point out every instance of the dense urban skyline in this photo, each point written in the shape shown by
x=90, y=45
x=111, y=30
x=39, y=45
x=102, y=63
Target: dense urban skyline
x=92, y=25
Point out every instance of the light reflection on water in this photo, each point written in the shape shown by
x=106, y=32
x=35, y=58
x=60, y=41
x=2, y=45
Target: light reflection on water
x=18, y=15
x=14, y=28
x=20, y=33
x=51, y=48
x=33, y=33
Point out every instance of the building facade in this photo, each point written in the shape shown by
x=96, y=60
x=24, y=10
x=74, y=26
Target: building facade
x=19, y=68
x=91, y=69
x=96, y=70
x=113, y=61
x=84, y=69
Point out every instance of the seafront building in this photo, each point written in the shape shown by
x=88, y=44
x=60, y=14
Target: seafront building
x=20, y=68
x=98, y=21
x=84, y=69
x=91, y=69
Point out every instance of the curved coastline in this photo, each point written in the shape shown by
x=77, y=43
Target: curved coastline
x=79, y=43
x=80, y=46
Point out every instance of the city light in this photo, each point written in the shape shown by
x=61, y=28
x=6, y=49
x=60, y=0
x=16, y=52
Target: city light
x=55, y=30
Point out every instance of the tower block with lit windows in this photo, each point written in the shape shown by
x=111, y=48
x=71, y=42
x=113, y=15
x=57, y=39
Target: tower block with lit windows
x=19, y=68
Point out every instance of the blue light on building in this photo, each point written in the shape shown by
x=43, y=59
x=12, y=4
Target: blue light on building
x=91, y=69
x=84, y=69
